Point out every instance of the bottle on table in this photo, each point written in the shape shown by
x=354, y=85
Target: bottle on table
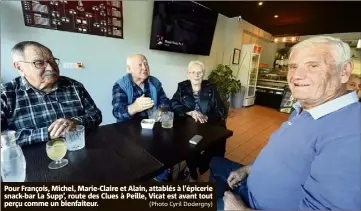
x=13, y=164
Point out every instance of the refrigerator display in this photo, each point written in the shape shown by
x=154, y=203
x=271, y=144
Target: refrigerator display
x=248, y=71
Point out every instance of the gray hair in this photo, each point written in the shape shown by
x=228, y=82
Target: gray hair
x=197, y=62
x=17, y=52
x=341, y=51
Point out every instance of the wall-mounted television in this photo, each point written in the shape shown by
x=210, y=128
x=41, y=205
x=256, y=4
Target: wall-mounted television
x=182, y=26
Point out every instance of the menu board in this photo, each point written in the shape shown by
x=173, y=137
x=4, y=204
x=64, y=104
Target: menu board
x=287, y=101
x=102, y=18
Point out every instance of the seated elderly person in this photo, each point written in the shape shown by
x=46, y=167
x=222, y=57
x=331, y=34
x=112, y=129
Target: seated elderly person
x=313, y=161
x=137, y=91
x=42, y=105
x=198, y=99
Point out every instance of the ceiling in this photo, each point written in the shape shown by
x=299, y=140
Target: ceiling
x=294, y=18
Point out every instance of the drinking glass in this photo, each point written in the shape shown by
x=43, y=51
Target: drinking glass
x=7, y=137
x=56, y=150
x=75, y=138
x=153, y=113
x=13, y=163
x=164, y=107
x=167, y=119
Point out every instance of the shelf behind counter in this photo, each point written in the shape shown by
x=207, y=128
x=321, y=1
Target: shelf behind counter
x=269, y=92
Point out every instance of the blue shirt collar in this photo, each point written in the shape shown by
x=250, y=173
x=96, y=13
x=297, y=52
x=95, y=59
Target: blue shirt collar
x=330, y=106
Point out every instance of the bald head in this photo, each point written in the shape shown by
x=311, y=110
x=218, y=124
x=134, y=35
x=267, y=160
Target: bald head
x=137, y=66
x=135, y=57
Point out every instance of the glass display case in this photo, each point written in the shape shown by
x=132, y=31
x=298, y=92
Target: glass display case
x=253, y=76
x=248, y=71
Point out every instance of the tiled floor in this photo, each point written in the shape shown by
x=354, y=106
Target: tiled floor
x=251, y=128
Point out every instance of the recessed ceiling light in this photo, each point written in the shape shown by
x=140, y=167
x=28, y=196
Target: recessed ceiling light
x=276, y=39
x=276, y=16
x=260, y=3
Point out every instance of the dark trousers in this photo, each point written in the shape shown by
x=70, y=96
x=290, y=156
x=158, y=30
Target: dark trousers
x=220, y=170
x=202, y=160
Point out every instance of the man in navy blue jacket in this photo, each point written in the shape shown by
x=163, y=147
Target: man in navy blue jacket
x=137, y=91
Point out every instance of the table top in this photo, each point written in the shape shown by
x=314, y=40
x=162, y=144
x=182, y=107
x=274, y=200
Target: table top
x=122, y=152
x=106, y=157
x=170, y=146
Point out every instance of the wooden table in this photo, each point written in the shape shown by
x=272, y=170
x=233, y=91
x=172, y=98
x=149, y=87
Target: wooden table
x=123, y=152
x=170, y=146
x=106, y=157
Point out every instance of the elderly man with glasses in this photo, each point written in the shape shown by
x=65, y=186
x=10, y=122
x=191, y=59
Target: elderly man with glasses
x=42, y=105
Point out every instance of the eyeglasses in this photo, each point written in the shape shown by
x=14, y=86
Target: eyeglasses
x=39, y=64
x=196, y=73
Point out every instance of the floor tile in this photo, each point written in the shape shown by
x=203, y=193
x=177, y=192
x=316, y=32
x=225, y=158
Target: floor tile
x=252, y=127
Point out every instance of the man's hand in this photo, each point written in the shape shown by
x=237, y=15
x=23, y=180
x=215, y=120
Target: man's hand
x=59, y=127
x=233, y=202
x=140, y=104
x=198, y=116
x=237, y=176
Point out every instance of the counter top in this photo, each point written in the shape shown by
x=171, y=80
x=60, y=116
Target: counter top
x=270, y=80
x=269, y=87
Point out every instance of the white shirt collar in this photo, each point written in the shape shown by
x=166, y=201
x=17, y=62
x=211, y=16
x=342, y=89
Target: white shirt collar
x=330, y=106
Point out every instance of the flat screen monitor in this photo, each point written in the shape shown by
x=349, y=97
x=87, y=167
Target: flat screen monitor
x=182, y=26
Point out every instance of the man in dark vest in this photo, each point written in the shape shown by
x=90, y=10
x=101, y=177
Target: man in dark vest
x=137, y=91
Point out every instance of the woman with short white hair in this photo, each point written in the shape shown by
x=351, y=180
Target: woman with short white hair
x=198, y=98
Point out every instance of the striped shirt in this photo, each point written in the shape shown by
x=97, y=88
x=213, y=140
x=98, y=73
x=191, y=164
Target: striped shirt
x=30, y=112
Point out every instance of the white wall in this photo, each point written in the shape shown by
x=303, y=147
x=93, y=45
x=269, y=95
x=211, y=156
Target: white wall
x=269, y=48
x=104, y=58
x=243, y=32
x=217, y=51
x=255, y=35
x=233, y=37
